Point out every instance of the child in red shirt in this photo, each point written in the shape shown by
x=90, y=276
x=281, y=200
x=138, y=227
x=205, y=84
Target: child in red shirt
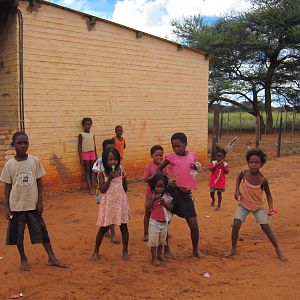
x=219, y=168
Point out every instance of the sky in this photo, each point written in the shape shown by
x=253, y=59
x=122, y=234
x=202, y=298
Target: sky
x=153, y=16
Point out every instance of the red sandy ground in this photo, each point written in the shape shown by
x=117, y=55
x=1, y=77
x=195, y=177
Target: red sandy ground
x=255, y=273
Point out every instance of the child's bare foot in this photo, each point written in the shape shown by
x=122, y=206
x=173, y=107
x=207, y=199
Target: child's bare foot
x=25, y=266
x=107, y=234
x=281, y=256
x=217, y=208
x=54, y=262
x=167, y=253
x=232, y=252
x=145, y=239
x=212, y=203
x=95, y=256
x=92, y=192
x=198, y=254
x=125, y=256
x=114, y=239
x=162, y=259
x=156, y=262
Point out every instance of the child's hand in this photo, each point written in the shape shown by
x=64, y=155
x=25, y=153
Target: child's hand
x=237, y=195
x=39, y=208
x=194, y=167
x=7, y=213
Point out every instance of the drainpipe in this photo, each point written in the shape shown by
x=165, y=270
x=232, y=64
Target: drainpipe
x=21, y=77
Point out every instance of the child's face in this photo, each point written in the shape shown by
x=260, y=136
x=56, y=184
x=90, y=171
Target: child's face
x=178, y=147
x=219, y=156
x=119, y=132
x=159, y=187
x=87, y=125
x=21, y=145
x=157, y=156
x=112, y=160
x=254, y=163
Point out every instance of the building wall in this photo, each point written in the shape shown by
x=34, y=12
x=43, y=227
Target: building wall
x=108, y=74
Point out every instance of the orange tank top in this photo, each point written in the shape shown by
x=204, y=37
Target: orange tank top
x=251, y=196
x=120, y=145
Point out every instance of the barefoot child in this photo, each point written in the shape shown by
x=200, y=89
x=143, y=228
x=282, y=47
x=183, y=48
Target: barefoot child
x=250, y=185
x=87, y=151
x=97, y=169
x=182, y=162
x=113, y=207
x=23, y=204
x=119, y=141
x=219, y=168
x=160, y=205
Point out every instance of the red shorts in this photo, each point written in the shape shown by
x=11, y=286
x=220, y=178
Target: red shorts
x=89, y=155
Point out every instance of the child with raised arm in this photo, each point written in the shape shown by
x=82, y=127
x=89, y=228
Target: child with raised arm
x=160, y=205
x=113, y=207
x=87, y=151
x=219, y=168
x=119, y=141
x=183, y=162
x=23, y=204
x=250, y=185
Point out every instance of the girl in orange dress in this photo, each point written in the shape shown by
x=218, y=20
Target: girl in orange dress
x=114, y=207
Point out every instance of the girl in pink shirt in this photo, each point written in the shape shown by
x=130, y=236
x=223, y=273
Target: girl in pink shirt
x=219, y=168
x=183, y=162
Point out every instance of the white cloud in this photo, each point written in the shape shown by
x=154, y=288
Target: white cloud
x=154, y=16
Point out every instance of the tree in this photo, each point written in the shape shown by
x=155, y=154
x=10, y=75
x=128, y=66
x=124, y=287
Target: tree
x=255, y=54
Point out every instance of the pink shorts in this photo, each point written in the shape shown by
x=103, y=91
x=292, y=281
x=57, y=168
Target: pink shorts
x=89, y=155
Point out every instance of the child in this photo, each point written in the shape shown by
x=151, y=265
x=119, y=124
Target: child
x=97, y=169
x=158, y=202
x=183, y=162
x=218, y=170
x=119, y=141
x=250, y=198
x=22, y=175
x=113, y=208
x=87, y=151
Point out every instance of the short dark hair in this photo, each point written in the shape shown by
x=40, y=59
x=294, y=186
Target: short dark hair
x=179, y=136
x=105, y=154
x=157, y=177
x=262, y=155
x=107, y=142
x=118, y=126
x=221, y=150
x=86, y=119
x=15, y=135
x=155, y=148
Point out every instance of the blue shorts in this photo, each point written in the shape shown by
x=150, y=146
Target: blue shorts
x=260, y=214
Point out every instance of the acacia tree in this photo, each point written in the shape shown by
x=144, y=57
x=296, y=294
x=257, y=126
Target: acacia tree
x=251, y=52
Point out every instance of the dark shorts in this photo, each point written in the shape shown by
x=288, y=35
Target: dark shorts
x=36, y=226
x=183, y=204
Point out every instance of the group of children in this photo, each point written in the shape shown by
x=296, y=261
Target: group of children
x=164, y=197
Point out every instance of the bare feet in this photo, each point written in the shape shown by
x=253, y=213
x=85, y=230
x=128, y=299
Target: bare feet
x=281, y=256
x=167, y=253
x=145, y=239
x=114, y=239
x=95, y=256
x=92, y=192
x=217, y=208
x=54, y=262
x=232, y=252
x=198, y=254
x=212, y=203
x=162, y=259
x=25, y=266
x=125, y=256
x=107, y=234
x=156, y=262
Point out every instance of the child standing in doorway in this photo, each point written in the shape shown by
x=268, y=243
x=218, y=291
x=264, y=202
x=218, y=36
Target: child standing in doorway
x=23, y=202
x=87, y=151
x=113, y=207
x=250, y=185
x=119, y=141
x=183, y=162
x=219, y=168
x=160, y=205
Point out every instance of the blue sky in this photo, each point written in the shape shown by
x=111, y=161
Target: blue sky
x=153, y=16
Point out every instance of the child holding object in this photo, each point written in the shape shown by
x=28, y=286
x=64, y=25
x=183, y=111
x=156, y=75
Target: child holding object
x=250, y=186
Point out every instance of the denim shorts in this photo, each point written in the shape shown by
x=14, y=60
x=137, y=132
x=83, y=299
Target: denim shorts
x=260, y=214
x=157, y=233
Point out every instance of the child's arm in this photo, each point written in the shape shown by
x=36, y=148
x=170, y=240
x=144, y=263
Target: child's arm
x=213, y=167
x=225, y=168
x=80, y=148
x=6, y=200
x=124, y=182
x=265, y=185
x=150, y=201
x=40, y=196
x=163, y=165
x=237, y=185
x=104, y=185
x=95, y=147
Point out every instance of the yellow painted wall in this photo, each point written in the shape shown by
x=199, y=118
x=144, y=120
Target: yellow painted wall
x=108, y=74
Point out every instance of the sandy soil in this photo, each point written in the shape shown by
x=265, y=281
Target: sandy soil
x=255, y=273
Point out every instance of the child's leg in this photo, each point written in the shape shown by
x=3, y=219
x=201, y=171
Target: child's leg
x=212, y=196
x=154, y=260
x=194, y=229
x=52, y=259
x=159, y=253
x=219, y=200
x=91, y=174
x=268, y=231
x=113, y=236
x=25, y=266
x=87, y=174
x=146, y=224
x=167, y=250
x=234, y=236
x=99, y=239
x=125, y=239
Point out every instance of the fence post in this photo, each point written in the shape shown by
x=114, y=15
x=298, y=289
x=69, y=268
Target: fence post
x=215, y=139
x=279, y=135
x=221, y=126
x=257, y=132
x=240, y=121
x=228, y=123
x=276, y=121
x=293, y=124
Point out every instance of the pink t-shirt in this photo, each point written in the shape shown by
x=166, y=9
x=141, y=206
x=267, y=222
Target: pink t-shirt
x=217, y=179
x=181, y=166
x=150, y=170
